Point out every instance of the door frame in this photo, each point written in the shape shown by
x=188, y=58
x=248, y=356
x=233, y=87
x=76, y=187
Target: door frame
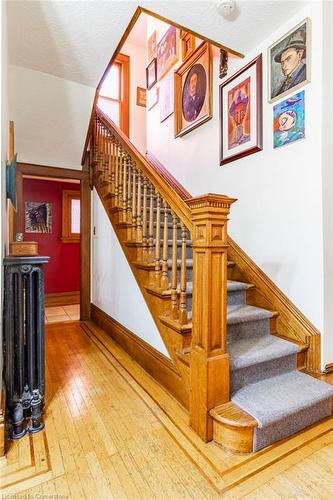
x=85, y=222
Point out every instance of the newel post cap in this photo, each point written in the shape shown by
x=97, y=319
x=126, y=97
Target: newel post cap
x=210, y=202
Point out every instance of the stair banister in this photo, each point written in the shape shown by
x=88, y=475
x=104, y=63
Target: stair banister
x=204, y=219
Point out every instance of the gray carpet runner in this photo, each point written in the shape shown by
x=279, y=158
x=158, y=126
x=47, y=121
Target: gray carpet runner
x=264, y=380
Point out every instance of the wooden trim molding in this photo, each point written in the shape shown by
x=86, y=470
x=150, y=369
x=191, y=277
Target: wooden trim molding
x=67, y=235
x=154, y=362
x=62, y=299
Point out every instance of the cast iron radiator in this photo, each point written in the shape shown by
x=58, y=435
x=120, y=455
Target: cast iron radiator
x=24, y=344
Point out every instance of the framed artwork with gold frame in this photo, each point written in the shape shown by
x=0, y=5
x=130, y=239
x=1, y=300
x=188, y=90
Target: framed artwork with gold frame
x=188, y=45
x=193, y=91
x=167, y=52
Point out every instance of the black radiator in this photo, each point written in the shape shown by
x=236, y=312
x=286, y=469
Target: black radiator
x=24, y=356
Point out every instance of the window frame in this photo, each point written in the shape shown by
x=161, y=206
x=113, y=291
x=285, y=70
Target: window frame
x=67, y=236
x=124, y=91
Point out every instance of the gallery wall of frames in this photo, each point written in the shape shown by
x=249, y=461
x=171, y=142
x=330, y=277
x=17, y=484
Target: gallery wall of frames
x=179, y=79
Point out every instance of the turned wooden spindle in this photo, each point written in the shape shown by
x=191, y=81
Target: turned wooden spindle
x=174, y=293
x=124, y=203
x=158, y=242
x=182, y=298
x=120, y=175
x=113, y=166
x=138, y=210
x=116, y=175
x=134, y=203
x=129, y=191
x=151, y=225
x=144, y=222
x=164, y=278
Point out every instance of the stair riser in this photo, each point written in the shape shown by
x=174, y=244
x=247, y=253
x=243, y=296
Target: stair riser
x=236, y=298
x=254, y=373
x=291, y=424
x=249, y=328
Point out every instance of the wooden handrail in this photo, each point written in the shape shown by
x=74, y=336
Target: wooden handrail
x=169, y=178
x=175, y=198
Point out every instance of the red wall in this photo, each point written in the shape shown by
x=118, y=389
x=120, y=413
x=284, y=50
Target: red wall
x=62, y=273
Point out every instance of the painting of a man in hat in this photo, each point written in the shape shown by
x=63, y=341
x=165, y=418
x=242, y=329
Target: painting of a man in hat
x=288, y=62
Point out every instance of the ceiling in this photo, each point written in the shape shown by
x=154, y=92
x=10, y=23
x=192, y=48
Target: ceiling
x=75, y=39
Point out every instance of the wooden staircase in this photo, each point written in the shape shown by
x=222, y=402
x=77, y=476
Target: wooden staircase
x=188, y=270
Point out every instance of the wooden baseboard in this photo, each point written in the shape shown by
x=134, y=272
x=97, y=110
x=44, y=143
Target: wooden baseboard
x=154, y=362
x=62, y=299
x=291, y=322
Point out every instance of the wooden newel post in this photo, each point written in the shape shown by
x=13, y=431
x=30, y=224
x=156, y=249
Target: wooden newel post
x=209, y=366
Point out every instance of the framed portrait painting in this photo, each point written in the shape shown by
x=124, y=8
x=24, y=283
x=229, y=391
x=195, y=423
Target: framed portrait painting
x=151, y=74
x=289, y=62
x=193, y=91
x=167, y=52
x=241, y=113
x=166, y=97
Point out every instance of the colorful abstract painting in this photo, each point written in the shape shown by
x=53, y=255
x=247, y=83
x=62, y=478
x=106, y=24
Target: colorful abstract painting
x=239, y=114
x=38, y=217
x=289, y=120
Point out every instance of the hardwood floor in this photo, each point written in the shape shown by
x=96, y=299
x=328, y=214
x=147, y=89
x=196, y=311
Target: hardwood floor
x=106, y=437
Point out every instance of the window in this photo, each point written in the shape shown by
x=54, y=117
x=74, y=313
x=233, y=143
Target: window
x=70, y=216
x=113, y=97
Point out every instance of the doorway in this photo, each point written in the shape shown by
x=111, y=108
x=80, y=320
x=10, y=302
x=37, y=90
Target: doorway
x=62, y=196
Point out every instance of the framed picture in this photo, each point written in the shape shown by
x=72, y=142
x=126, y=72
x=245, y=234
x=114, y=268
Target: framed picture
x=241, y=113
x=289, y=62
x=38, y=217
x=151, y=47
x=141, y=97
x=166, y=97
x=289, y=120
x=152, y=97
x=167, y=52
x=151, y=74
x=193, y=91
x=188, y=45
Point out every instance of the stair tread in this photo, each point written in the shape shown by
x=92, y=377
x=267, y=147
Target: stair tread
x=275, y=398
x=231, y=414
x=247, y=351
x=242, y=313
x=189, y=263
x=232, y=286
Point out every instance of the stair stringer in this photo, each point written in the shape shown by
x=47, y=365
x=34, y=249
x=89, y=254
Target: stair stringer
x=157, y=305
x=290, y=323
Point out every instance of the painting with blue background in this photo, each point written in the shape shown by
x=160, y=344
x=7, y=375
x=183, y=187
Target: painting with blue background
x=289, y=120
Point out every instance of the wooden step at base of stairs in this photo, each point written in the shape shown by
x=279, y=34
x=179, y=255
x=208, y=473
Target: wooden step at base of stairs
x=175, y=325
x=233, y=428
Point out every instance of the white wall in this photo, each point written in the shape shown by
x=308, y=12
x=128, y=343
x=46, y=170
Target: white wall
x=114, y=289
x=51, y=117
x=137, y=79
x=277, y=219
x=327, y=129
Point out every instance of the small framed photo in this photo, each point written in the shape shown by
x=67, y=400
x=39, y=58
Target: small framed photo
x=188, y=45
x=167, y=52
x=193, y=91
x=241, y=113
x=289, y=61
x=141, y=97
x=166, y=97
x=152, y=97
x=289, y=120
x=151, y=74
x=151, y=46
